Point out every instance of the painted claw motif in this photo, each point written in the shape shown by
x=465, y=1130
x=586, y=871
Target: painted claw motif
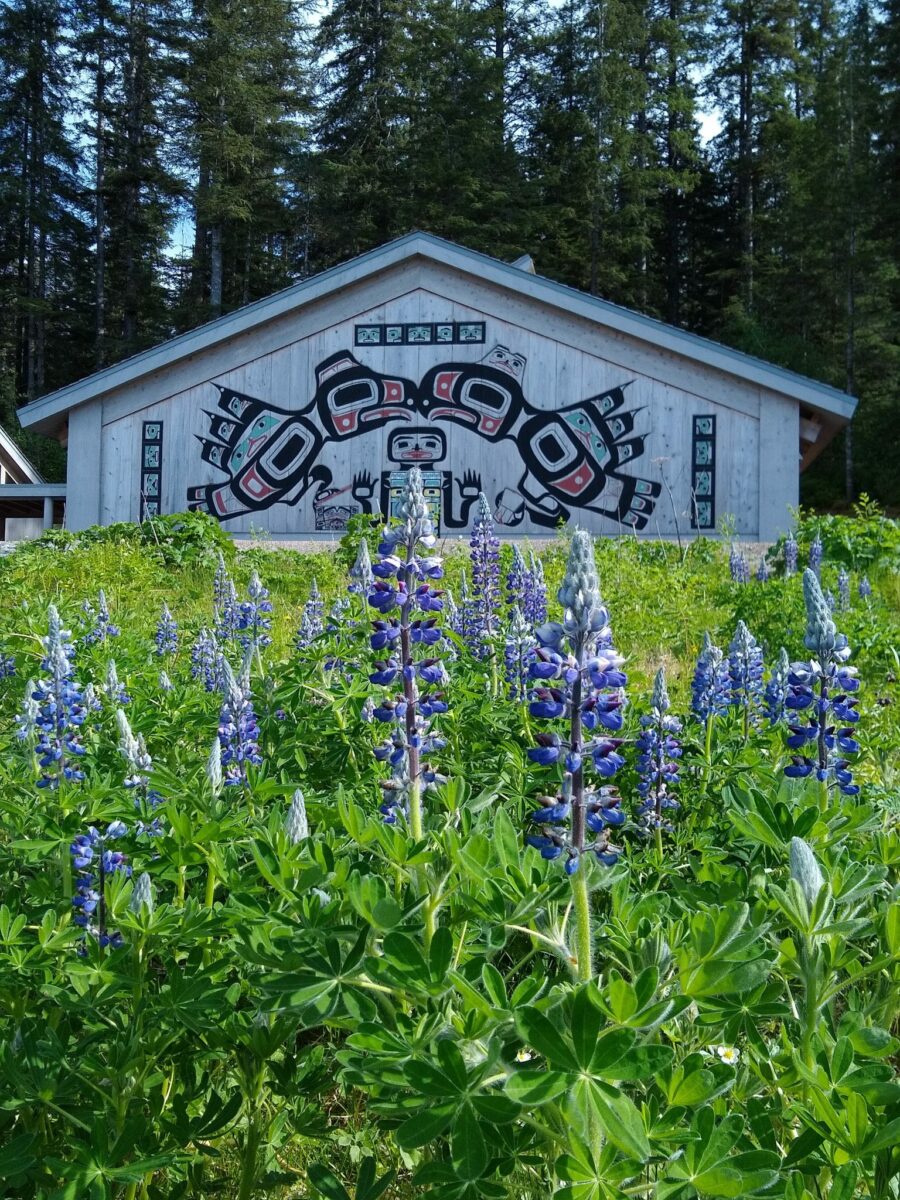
x=266, y=452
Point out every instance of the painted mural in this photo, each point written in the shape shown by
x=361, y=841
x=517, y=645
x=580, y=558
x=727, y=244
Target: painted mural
x=566, y=461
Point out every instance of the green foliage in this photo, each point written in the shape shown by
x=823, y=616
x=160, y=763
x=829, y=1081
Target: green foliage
x=365, y=1017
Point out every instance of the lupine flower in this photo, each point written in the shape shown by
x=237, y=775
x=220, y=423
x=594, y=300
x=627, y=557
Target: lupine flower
x=805, y=871
x=865, y=588
x=101, y=627
x=452, y=613
x=830, y=600
x=745, y=671
x=227, y=613
x=710, y=687
x=738, y=565
x=220, y=583
x=517, y=653
x=402, y=585
x=253, y=620
x=484, y=551
x=61, y=710
x=146, y=799
x=843, y=589
x=296, y=825
x=469, y=621
x=515, y=581
x=142, y=898
x=28, y=715
x=312, y=624
x=165, y=683
x=535, y=606
x=776, y=693
x=585, y=690
x=90, y=853
x=208, y=661
x=113, y=688
x=361, y=572
x=166, y=633
x=762, y=572
x=815, y=554
x=238, y=730
x=7, y=666
x=824, y=685
x=790, y=554
x=658, y=752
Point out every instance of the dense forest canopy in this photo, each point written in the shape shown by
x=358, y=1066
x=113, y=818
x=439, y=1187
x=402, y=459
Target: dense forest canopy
x=164, y=161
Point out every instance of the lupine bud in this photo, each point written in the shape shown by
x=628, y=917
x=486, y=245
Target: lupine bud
x=815, y=554
x=820, y=628
x=165, y=683
x=790, y=554
x=660, y=693
x=214, y=767
x=865, y=588
x=142, y=898
x=296, y=825
x=805, y=870
x=580, y=591
x=361, y=571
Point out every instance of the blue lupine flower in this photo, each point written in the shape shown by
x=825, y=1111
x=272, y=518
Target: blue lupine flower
x=146, y=799
x=830, y=600
x=711, y=685
x=312, y=619
x=745, y=671
x=227, y=613
x=238, y=730
x=7, y=666
x=400, y=587
x=517, y=653
x=484, y=551
x=776, y=693
x=101, y=627
x=586, y=689
x=658, y=754
x=823, y=685
x=534, y=607
x=165, y=683
x=113, y=688
x=253, y=620
x=865, y=588
x=26, y=720
x=208, y=661
x=762, y=572
x=791, y=551
x=738, y=565
x=843, y=581
x=815, y=555
x=515, y=581
x=90, y=853
x=61, y=709
x=166, y=633
x=361, y=576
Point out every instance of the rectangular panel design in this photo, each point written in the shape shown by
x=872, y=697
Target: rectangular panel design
x=421, y=333
x=151, y=469
x=703, y=473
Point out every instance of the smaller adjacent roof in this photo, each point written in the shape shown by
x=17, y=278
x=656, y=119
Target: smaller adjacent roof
x=16, y=463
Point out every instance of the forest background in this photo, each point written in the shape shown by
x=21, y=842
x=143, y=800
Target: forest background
x=730, y=166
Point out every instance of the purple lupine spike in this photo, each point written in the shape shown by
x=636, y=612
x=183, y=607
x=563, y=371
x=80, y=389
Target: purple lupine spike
x=843, y=582
x=823, y=685
x=227, y=612
x=7, y=666
x=361, y=576
x=166, y=633
x=208, y=661
x=776, y=693
x=535, y=606
x=113, y=688
x=658, y=754
x=710, y=686
x=137, y=781
x=762, y=571
x=238, y=730
x=408, y=645
x=790, y=555
x=312, y=620
x=585, y=690
x=61, y=709
x=865, y=588
x=101, y=627
x=253, y=621
x=517, y=654
x=516, y=581
x=484, y=551
x=816, y=552
x=745, y=671
x=91, y=853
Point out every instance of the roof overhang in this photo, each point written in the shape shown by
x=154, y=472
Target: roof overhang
x=817, y=400
x=19, y=462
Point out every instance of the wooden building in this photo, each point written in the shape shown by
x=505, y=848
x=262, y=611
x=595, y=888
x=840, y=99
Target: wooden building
x=28, y=505
x=296, y=412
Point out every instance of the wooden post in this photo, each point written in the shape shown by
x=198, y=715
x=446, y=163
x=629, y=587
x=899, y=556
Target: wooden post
x=48, y=512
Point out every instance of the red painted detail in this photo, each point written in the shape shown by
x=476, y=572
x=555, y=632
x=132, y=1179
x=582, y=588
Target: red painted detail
x=455, y=412
x=254, y=486
x=400, y=413
x=488, y=424
x=345, y=423
x=576, y=481
x=393, y=391
x=444, y=381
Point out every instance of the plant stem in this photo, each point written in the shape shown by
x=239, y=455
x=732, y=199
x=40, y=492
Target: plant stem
x=210, y=886
x=251, y=1151
x=583, y=937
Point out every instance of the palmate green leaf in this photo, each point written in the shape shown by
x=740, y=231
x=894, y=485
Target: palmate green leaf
x=506, y=838
x=536, y=1087
x=425, y=1126
x=620, y=1120
x=468, y=1148
x=326, y=1182
x=538, y=1032
x=16, y=1158
x=584, y=1028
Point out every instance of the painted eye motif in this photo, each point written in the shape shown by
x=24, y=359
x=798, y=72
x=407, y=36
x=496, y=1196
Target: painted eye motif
x=579, y=421
x=238, y=456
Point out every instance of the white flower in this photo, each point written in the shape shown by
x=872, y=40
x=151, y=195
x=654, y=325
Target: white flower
x=729, y=1054
x=524, y=1055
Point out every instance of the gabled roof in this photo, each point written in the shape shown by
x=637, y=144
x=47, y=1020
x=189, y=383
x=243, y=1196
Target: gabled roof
x=16, y=460
x=819, y=397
